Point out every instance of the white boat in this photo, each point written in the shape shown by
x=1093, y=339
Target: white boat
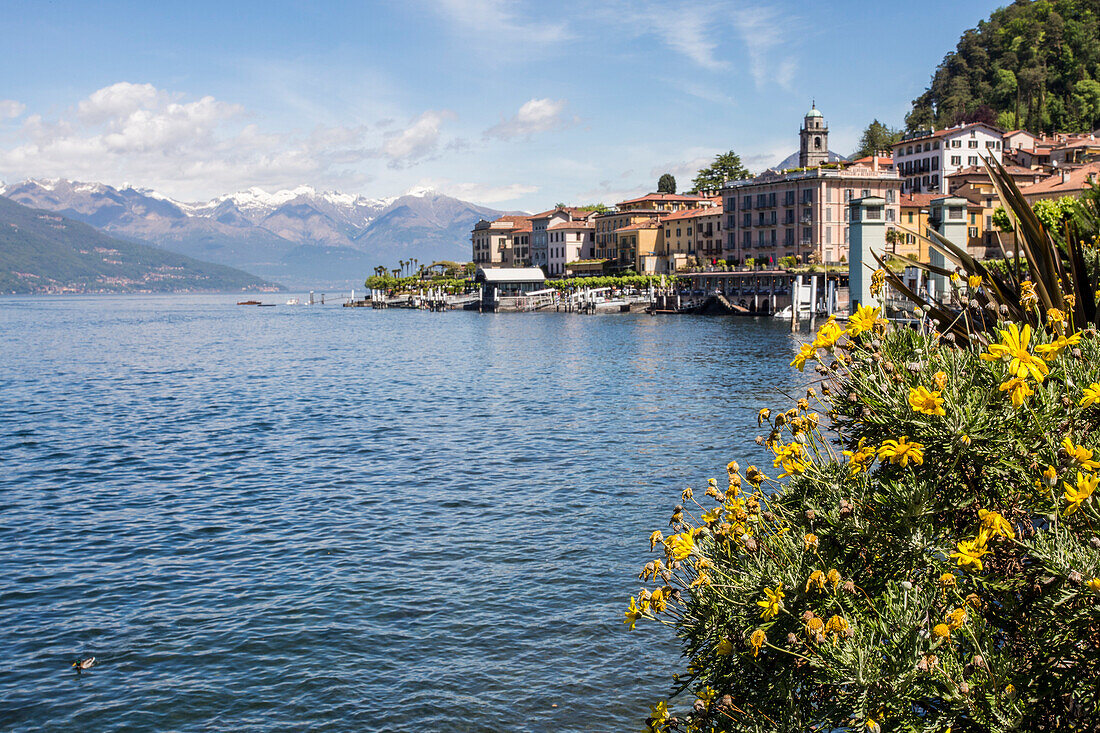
x=784, y=313
x=294, y=301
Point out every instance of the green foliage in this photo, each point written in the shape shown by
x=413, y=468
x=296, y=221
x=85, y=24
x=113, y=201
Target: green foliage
x=415, y=283
x=1038, y=61
x=1002, y=220
x=726, y=167
x=876, y=137
x=611, y=281
x=1052, y=213
x=788, y=262
x=928, y=558
x=598, y=208
x=43, y=252
x=666, y=183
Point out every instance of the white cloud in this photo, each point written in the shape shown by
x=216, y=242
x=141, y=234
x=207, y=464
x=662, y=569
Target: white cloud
x=187, y=148
x=10, y=109
x=762, y=30
x=689, y=31
x=477, y=192
x=499, y=21
x=536, y=115
x=418, y=141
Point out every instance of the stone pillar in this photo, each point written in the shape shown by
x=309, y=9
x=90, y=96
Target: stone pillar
x=947, y=215
x=867, y=234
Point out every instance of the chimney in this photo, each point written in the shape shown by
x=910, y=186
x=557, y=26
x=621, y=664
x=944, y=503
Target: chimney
x=874, y=162
x=1065, y=175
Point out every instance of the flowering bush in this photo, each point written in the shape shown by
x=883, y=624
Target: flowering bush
x=922, y=554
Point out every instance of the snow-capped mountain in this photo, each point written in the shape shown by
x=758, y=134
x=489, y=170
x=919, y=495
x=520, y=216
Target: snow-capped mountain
x=299, y=236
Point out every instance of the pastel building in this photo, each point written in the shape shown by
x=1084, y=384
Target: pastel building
x=540, y=227
x=568, y=242
x=802, y=213
x=925, y=160
x=504, y=242
x=692, y=236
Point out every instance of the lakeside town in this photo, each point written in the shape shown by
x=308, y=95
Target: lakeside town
x=794, y=217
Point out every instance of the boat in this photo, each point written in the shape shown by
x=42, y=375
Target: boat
x=249, y=302
x=294, y=301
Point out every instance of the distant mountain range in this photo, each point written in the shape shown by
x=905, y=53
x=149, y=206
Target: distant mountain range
x=44, y=252
x=300, y=237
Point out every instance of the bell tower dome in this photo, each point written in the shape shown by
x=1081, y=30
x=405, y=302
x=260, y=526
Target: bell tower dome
x=814, y=149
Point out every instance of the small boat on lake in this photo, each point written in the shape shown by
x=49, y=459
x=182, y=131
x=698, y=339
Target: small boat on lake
x=249, y=302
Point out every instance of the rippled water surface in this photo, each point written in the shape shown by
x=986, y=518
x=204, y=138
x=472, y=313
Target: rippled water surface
x=341, y=519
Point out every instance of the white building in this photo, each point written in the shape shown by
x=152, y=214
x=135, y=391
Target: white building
x=568, y=241
x=925, y=160
x=540, y=224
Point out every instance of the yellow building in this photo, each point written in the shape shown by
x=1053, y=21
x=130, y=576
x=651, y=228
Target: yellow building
x=691, y=237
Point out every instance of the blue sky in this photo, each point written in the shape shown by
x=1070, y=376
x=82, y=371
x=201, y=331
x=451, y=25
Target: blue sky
x=512, y=104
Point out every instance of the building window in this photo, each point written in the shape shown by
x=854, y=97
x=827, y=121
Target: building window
x=847, y=195
x=972, y=144
x=956, y=160
x=910, y=217
x=889, y=215
x=956, y=143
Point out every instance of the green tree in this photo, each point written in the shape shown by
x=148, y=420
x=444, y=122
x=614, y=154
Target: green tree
x=876, y=137
x=1028, y=59
x=726, y=167
x=666, y=183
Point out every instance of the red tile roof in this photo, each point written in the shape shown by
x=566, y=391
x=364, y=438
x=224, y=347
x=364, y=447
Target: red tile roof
x=1075, y=180
x=666, y=197
x=909, y=200
x=693, y=213
x=651, y=224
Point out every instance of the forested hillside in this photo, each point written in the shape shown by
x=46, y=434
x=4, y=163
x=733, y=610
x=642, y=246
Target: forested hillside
x=1033, y=64
x=42, y=252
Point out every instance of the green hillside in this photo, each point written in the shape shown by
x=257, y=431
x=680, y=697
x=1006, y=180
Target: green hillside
x=42, y=252
x=1033, y=64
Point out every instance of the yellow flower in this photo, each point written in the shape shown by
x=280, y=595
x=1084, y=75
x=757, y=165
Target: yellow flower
x=763, y=415
x=1092, y=395
x=861, y=458
x=948, y=580
x=712, y=516
x=956, y=278
x=814, y=626
x=1080, y=454
x=810, y=541
x=792, y=458
x=724, y=648
x=681, y=545
x=1094, y=584
x=1014, y=346
x=940, y=378
x=900, y=451
x=1056, y=316
x=942, y=631
x=864, y=319
x=771, y=605
x=833, y=577
x=1028, y=297
x=925, y=402
x=956, y=619
x=660, y=714
x=655, y=538
x=974, y=281
x=970, y=553
x=878, y=280
x=805, y=353
x=658, y=599
x=700, y=579
x=757, y=640
x=1054, y=349
x=632, y=613
x=828, y=334
x=816, y=579
x=1018, y=391
x=1079, y=494
x=994, y=525
x=837, y=625
x=755, y=476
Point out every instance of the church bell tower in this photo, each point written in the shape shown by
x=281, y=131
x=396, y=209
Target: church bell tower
x=815, y=139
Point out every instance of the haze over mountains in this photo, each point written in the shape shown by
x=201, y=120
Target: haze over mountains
x=299, y=237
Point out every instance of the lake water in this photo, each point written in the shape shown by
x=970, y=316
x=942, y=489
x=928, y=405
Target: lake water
x=324, y=518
